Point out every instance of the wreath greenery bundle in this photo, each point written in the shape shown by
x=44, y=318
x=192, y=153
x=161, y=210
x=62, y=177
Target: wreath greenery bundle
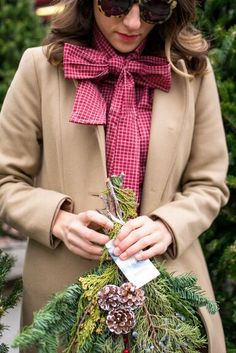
x=103, y=313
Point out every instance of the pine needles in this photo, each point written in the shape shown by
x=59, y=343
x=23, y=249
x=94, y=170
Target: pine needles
x=7, y=301
x=52, y=323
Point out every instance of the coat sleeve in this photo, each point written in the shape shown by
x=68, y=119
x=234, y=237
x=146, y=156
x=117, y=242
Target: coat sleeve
x=203, y=189
x=29, y=209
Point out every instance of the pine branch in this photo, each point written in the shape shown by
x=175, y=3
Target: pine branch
x=183, y=281
x=196, y=297
x=186, y=287
x=11, y=300
x=54, y=320
x=6, y=263
x=7, y=302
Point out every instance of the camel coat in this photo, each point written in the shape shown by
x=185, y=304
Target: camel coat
x=47, y=162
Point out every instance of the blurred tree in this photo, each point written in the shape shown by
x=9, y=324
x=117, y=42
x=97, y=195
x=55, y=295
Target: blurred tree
x=19, y=29
x=217, y=19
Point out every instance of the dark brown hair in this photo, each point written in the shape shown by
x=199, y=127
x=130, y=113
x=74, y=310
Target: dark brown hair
x=175, y=39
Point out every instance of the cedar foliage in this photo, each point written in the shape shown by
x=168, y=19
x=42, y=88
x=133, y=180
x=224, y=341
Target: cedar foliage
x=218, y=21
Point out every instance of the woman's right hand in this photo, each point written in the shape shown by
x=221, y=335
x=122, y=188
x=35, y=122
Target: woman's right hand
x=74, y=231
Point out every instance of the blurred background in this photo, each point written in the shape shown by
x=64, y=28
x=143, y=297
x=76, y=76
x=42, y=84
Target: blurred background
x=23, y=24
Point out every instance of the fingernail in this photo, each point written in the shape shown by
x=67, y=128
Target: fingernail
x=138, y=256
x=117, y=252
x=123, y=256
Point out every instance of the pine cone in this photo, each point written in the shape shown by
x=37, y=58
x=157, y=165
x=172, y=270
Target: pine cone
x=131, y=296
x=108, y=297
x=121, y=320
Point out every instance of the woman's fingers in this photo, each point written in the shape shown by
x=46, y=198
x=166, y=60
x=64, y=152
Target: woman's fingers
x=137, y=239
x=91, y=216
x=132, y=232
x=88, y=234
x=74, y=231
x=131, y=226
x=151, y=236
x=141, y=244
x=81, y=252
x=156, y=249
x=141, y=236
x=80, y=243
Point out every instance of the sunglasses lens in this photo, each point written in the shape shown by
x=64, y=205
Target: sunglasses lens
x=155, y=11
x=113, y=7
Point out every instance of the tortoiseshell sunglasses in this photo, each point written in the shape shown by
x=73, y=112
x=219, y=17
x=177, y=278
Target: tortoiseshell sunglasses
x=151, y=11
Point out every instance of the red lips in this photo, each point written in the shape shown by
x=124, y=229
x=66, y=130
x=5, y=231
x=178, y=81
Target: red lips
x=127, y=37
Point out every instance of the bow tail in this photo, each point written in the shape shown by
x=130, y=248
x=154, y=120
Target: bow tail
x=122, y=141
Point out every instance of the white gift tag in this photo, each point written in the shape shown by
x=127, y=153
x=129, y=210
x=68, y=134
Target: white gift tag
x=137, y=272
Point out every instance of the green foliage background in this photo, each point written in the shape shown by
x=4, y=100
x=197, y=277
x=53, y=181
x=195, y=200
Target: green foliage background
x=20, y=29
x=218, y=21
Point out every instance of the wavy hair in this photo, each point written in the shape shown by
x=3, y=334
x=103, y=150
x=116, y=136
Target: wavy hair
x=175, y=39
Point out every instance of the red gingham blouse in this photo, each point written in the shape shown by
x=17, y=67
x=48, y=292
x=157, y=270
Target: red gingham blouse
x=117, y=90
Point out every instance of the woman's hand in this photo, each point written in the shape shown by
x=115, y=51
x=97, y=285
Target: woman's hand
x=142, y=233
x=74, y=231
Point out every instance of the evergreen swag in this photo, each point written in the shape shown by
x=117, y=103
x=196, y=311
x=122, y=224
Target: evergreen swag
x=166, y=322
x=7, y=301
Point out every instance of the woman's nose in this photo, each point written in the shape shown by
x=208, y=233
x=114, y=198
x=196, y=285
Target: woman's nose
x=132, y=20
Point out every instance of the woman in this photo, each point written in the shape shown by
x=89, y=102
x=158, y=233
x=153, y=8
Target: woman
x=120, y=86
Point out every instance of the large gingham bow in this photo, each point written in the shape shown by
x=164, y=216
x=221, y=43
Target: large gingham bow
x=90, y=66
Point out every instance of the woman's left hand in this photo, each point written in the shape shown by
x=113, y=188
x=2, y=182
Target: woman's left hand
x=142, y=233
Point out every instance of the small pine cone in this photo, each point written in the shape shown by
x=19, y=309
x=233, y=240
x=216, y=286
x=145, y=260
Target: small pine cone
x=108, y=297
x=121, y=320
x=131, y=296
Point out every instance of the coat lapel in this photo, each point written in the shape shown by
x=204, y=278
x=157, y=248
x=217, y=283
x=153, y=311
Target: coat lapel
x=82, y=150
x=100, y=133
x=168, y=116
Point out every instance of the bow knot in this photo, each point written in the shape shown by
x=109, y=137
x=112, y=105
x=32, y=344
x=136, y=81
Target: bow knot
x=116, y=65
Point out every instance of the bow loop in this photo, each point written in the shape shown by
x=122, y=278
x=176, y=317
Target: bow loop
x=153, y=72
x=84, y=63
